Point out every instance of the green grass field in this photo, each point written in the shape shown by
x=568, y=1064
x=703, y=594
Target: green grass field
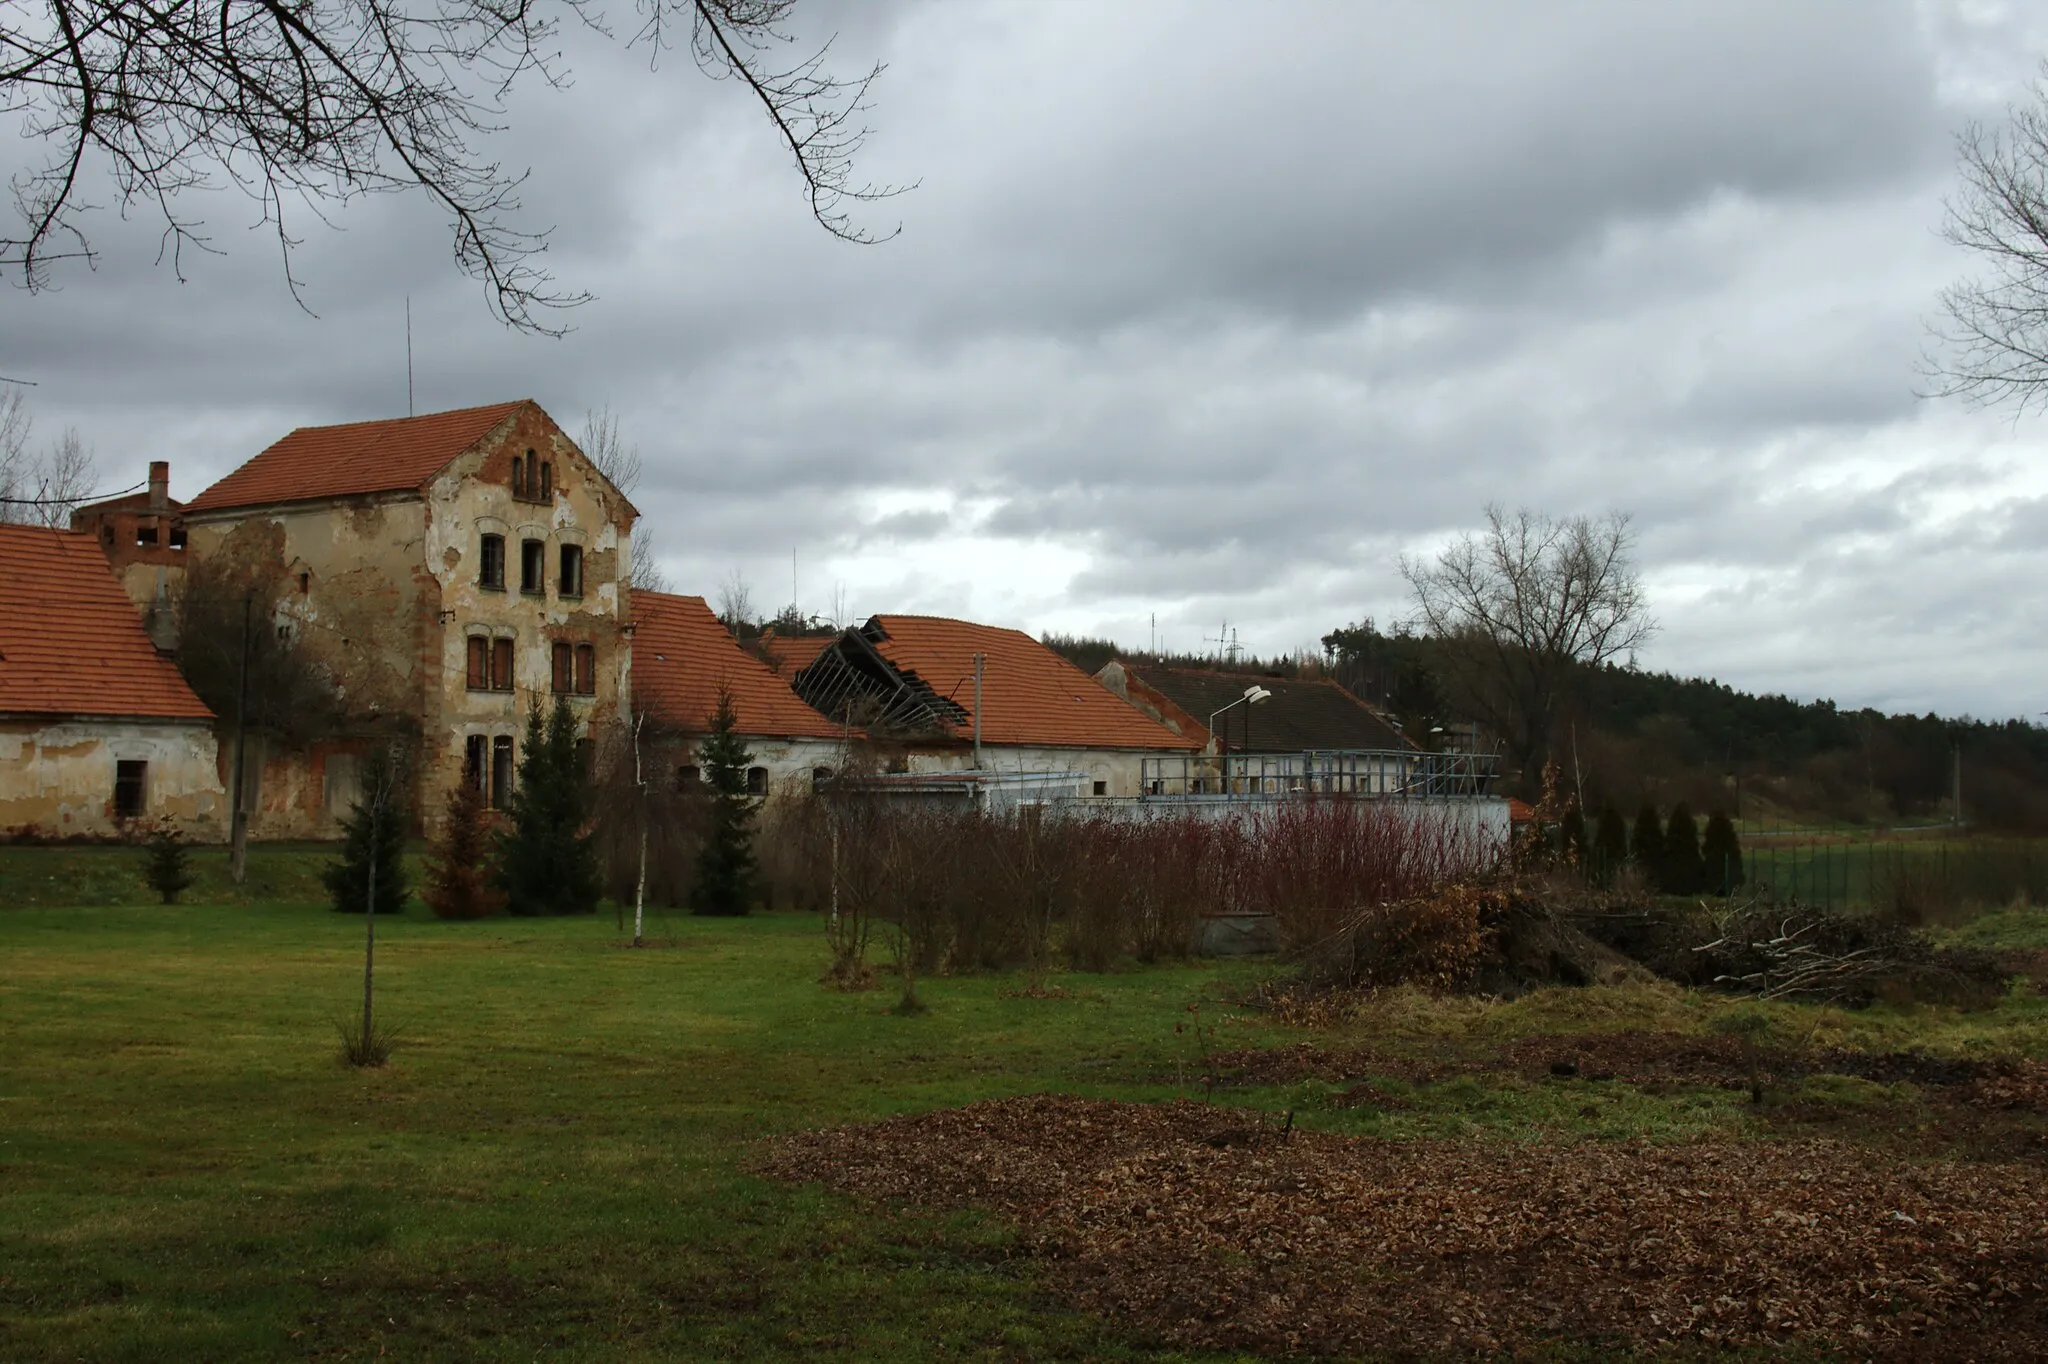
x=557, y=1160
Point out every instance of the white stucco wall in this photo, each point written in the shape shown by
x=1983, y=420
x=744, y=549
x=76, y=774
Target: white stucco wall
x=58, y=775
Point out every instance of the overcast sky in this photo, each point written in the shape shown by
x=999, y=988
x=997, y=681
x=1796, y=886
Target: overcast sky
x=1210, y=312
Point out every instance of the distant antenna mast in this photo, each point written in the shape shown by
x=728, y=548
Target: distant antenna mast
x=409, y=409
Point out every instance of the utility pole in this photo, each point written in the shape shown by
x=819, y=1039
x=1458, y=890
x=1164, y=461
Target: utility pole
x=1957, y=751
x=238, y=855
x=979, y=661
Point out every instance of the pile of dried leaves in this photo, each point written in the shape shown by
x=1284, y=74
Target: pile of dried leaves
x=1207, y=1229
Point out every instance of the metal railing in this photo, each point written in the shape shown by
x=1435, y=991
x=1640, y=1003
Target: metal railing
x=1389, y=773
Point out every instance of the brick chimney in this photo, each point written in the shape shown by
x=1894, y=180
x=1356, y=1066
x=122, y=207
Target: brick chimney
x=159, y=486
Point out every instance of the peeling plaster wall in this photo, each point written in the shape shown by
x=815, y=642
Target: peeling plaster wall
x=791, y=763
x=385, y=591
x=473, y=497
x=58, y=775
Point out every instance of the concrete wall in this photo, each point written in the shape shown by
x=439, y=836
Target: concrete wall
x=58, y=776
x=1120, y=770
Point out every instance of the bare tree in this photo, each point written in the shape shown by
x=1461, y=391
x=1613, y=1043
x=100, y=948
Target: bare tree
x=735, y=602
x=1993, y=327
x=1517, y=607
x=310, y=105
x=606, y=448
x=41, y=489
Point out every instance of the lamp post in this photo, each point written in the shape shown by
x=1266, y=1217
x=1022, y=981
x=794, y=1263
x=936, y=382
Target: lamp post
x=1253, y=695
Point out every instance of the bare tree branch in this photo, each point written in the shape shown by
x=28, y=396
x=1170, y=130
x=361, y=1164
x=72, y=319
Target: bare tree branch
x=41, y=489
x=309, y=105
x=1992, y=333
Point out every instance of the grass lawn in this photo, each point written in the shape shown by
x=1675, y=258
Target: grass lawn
x=558, y=1160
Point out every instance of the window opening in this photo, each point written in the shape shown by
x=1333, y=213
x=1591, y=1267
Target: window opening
x=341, y=782
x=491, y=572
x=572, y=571
x=107, y=536
x=757, y=781
x=479, y=663
x=501, y=771
x=547, y=480
x=1102, y=788
x=533, y=570
x=177, y=537
x=564, y=677
x=586, y=670
x=501, y=665
x=820, y=776
x=518, y=477
x=145, y=535
x=476, y=763
x=688, y=778
x=130, y=788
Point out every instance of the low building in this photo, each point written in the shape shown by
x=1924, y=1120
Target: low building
x=683, y=659
x=1298, y=734
x=943, y=695
x=97, y=729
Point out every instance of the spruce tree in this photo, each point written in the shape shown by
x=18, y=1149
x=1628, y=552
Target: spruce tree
x=1572, y=840
x=168, y=870
x=458, y=873
x=1646, y=845
x=1684, y=873
x=373, y=835
x=545, y=861
x=725, y=866
x=1610, y=844
x=1721, y=850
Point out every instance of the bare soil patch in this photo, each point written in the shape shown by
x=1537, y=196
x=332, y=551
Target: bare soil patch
x=1204, y=1227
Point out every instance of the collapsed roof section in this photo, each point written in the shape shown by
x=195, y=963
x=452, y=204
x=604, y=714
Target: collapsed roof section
x=915, y=676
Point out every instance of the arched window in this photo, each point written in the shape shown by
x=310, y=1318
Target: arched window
x=547, y=480
x=518, y=477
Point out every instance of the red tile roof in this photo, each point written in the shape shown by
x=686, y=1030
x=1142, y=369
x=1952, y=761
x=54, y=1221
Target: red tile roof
x=361, y=457
x=682, y=652
x=1029, y=694
x=791, y=654
x=71, y=643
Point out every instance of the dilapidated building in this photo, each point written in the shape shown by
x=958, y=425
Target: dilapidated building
x=448, y=573
x=941, y=695
x=683, y=660
x=97, y=729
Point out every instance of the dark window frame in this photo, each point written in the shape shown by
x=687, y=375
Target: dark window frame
x=757, y=781
x=585, y=668
x=569, y=581
x=561, y=667
x=477, y=662
x=131, y=788
x=504, y=766
x=490, y=573
x=533, y=568
x=501, y=664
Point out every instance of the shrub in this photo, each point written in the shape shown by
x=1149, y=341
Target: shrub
x=1610, y=845
x=168, y=869
x=1721, y=851
x=373, y=842
x=458, y=879
x=1646, y=845
x=1683, y=871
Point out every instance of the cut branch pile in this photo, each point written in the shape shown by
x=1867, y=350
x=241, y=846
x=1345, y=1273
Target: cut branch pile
x=1327, y=1245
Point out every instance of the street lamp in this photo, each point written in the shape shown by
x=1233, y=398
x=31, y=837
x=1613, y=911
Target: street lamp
x=1253, y=695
